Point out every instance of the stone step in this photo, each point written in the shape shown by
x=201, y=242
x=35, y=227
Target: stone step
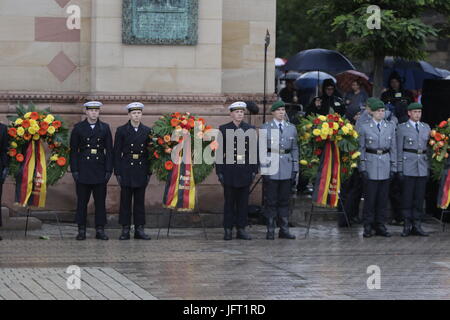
x=5, y=215
x=18, y=223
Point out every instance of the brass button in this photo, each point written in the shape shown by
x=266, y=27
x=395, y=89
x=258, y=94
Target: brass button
x=87, y=139
x=132, y=163
x=142, y=145
x=140, y=162
x=87, y=158
x=88, y=145
x=132, y=145
x=97, y=158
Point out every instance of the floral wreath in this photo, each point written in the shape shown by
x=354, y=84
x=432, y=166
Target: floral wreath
x=439, y=142
x=162, y=145
x=315, y=131
x=33, y=125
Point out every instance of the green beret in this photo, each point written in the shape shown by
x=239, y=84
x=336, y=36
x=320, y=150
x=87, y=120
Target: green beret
x=375, y=104
x=276, y=105
x=415, y=106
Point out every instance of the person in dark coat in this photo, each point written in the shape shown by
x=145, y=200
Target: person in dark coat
x=331, y=99
x=4, y=160
x=396, y=98
x=236, y=168
x=131, y=167
x=91, y=163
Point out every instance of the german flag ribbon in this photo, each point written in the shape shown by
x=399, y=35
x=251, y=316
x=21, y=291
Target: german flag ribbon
x=31, y=181
x=328, y=181
x=179, y=193
x=444, y=190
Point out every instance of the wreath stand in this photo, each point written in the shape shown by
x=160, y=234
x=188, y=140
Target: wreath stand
x=171, y=212
x=29, y=213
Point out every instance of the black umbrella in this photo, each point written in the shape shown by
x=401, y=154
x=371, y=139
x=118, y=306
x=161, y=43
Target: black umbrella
x=399, y=63
x=328, y=61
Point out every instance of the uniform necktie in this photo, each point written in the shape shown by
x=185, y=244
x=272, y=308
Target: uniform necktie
x=378, y=126
x=281, y=128
x=417, y=127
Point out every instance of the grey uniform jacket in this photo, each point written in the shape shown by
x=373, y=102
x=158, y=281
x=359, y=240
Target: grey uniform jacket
x=378, y=166
x=288, y=162
x=413, y=164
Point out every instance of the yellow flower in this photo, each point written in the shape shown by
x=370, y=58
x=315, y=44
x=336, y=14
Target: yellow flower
x=325, y=131
x=32, y=130
x=33, y=123
x=314, y=160
x=27, y=115
x=308, y=126
x=335, y=126
x=306, y=136
x=324, y=136
x=316, y=132
x=354, y=165
x=349, y=125
x=36, y=127
x=49, y=119
x=345, y=130
x=54, y=157
x=339, y=138
x=36, y=136
x=355, y=134
x=322, y=118
x=20, y=131
x=303, y=162
x=18, y=121
x=325, y=125
x=13, y=145
x=356, y=155
x=51, y=130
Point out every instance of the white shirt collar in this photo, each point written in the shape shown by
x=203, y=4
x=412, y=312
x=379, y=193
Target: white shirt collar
x=283, y=123
x=376, y=122
x=413, y=123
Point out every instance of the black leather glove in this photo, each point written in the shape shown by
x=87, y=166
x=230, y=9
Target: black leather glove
x=364, y=175
x=119, y=180
x=75, y=176
x=221, y=178
x=107, y=176
x=4, y=174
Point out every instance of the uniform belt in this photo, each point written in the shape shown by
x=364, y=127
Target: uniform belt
x=415, y=151
x=281, y=151
x=94, y=150
x=377, y=151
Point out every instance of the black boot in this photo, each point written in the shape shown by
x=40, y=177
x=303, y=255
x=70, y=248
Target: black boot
x=140, y=234
x=100, y=233
x=418, y=231
x=284, y=229
x=242, y=234
x=381, y=230
x=270, y=229
x=125, y=233
x=406, y=229
x=228, y=234
x=367, y=231
x=81, y=232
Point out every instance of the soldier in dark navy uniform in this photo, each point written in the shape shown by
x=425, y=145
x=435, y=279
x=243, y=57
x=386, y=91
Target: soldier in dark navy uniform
x=91, y=163
x=4, y=160
x=237, y=170
x=131, y=167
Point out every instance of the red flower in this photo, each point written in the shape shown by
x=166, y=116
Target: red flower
x=12, y=152
x=57, y=124
x=27, y=136
x=344, y=170
x=44, y=125
x=19, y=157
x=318, y=139
x=191, y=123
x=34, y=115
x=174, y=122
x=42, y=131
x=208, y=128
x=61, y=161
x=335, y=132
x=316, y=121
x=442, y=124
x=341, y=124
x=336, y=118
x=168, y=165
x=317, y=152
x=156, y=155
x=160, y=141
x=331, y=124
x=51, y=146
x=176, y=115
x=330, y=117
x=12, y=132
x=26, y=123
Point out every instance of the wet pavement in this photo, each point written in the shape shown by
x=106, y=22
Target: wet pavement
x=331, y=263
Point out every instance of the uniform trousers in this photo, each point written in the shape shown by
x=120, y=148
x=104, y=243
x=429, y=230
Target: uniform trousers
x=376, y=196
x=413, y=195
x=132, y=198
x=235, y=211
x=84, y=192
